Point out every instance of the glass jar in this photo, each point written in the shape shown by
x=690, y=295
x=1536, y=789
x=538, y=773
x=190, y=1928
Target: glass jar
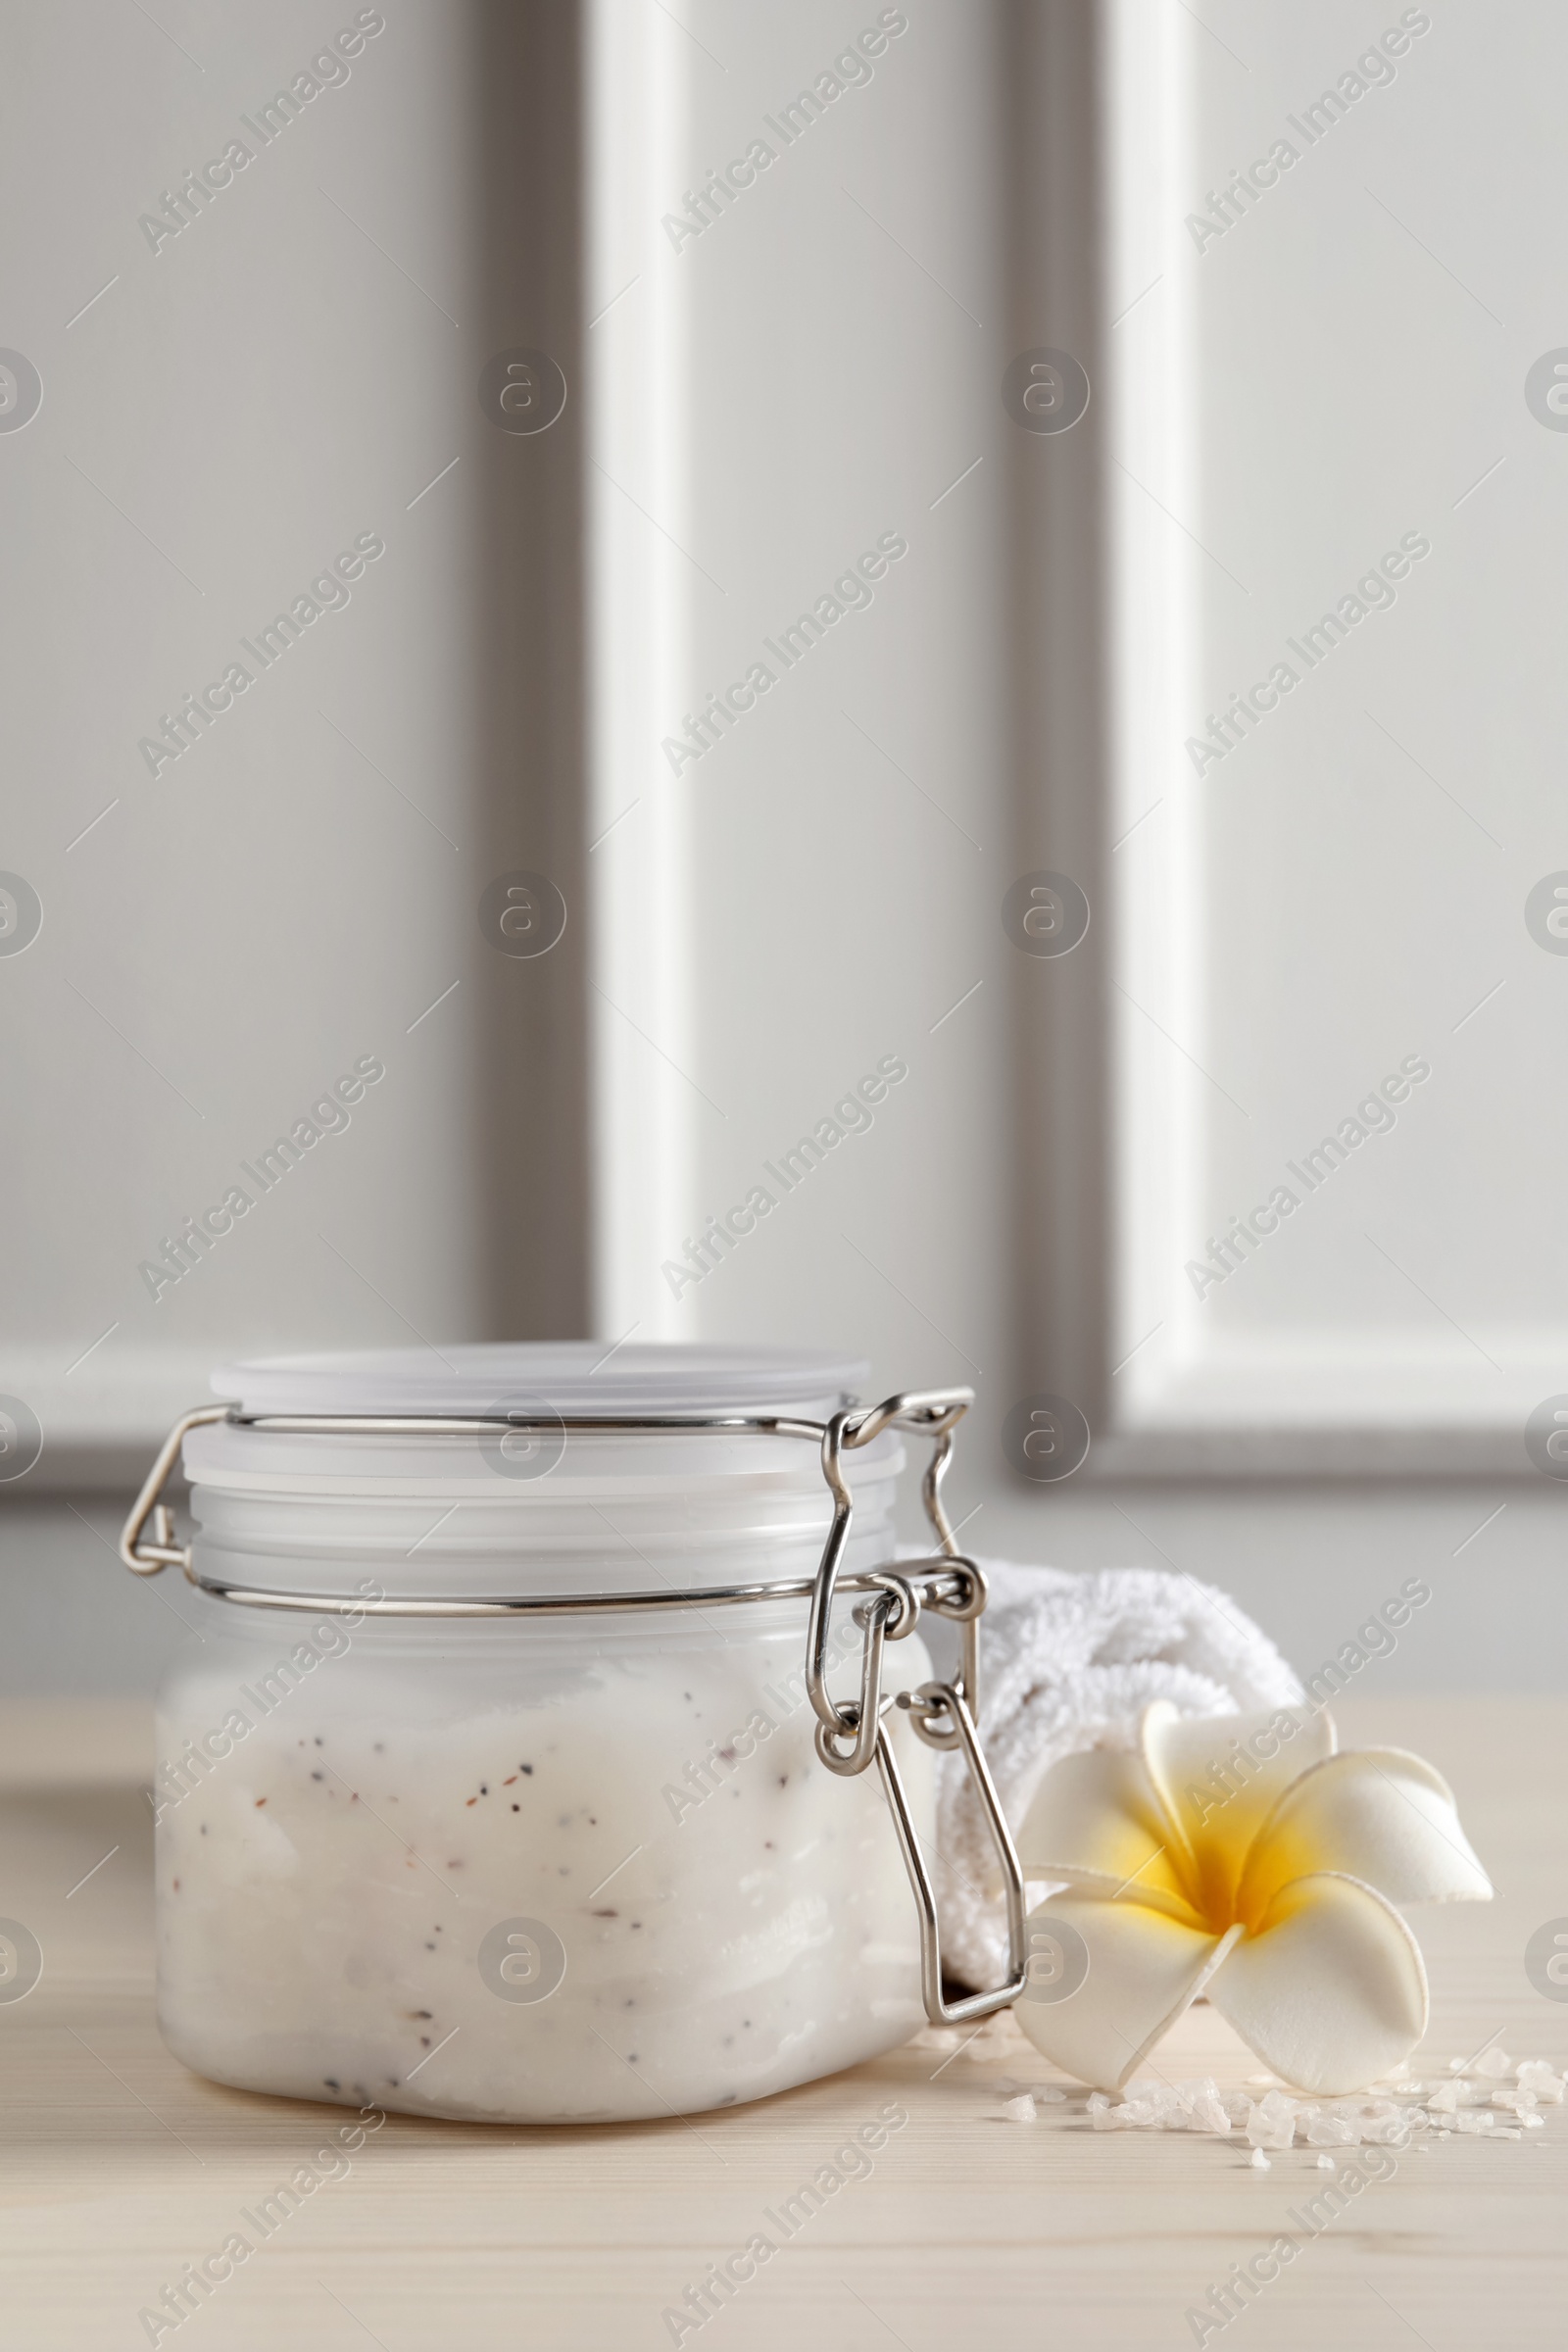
x=531, y=1868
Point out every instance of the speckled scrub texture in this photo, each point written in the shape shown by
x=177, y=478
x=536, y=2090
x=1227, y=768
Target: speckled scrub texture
x=721, y=1917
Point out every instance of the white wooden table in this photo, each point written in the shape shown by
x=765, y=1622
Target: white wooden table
x=118, y=2166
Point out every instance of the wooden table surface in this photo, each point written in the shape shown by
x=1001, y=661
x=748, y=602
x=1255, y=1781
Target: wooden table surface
x=118, y=2166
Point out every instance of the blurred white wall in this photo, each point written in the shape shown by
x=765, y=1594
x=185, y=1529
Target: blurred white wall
x=799, y=389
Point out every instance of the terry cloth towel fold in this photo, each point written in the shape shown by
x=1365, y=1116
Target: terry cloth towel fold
x=1067, y=1662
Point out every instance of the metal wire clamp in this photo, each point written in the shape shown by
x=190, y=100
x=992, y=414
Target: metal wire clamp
x=851, y=1733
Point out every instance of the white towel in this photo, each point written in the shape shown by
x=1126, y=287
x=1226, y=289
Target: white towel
x=1068, y=1662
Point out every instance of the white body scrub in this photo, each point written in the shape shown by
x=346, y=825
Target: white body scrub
x=557, y=1870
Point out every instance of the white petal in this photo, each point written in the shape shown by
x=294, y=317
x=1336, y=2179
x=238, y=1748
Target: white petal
x=1144, y=1968
x=1377, y=1814
x=1219, y=1775
x=1097, y=1823
x=1330, y=1991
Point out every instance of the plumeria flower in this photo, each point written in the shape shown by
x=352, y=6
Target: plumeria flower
x=1240, y=1857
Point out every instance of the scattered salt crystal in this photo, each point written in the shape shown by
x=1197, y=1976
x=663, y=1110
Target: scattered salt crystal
x=1480, y=2104
x=1331, y=2131
x=1020, y=2109
x=1456, y=2065
x=1141, y=2115
x=1272, y=2120
x=1389, y=2131
x=1494, y=2064
x=1326, y=2164
x=936, y=2037
x=1268, y=2128
x=1203, y=2109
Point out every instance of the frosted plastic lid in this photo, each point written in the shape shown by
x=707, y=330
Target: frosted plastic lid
x=574, y=1376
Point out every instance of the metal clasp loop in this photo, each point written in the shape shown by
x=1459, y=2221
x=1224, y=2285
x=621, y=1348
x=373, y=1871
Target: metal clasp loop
x=942, y=1714
x=147, y=1559
x=940, y=2011
x=933, y=1413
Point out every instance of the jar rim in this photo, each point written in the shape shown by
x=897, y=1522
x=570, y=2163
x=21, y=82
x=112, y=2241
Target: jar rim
x=566, y=1376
